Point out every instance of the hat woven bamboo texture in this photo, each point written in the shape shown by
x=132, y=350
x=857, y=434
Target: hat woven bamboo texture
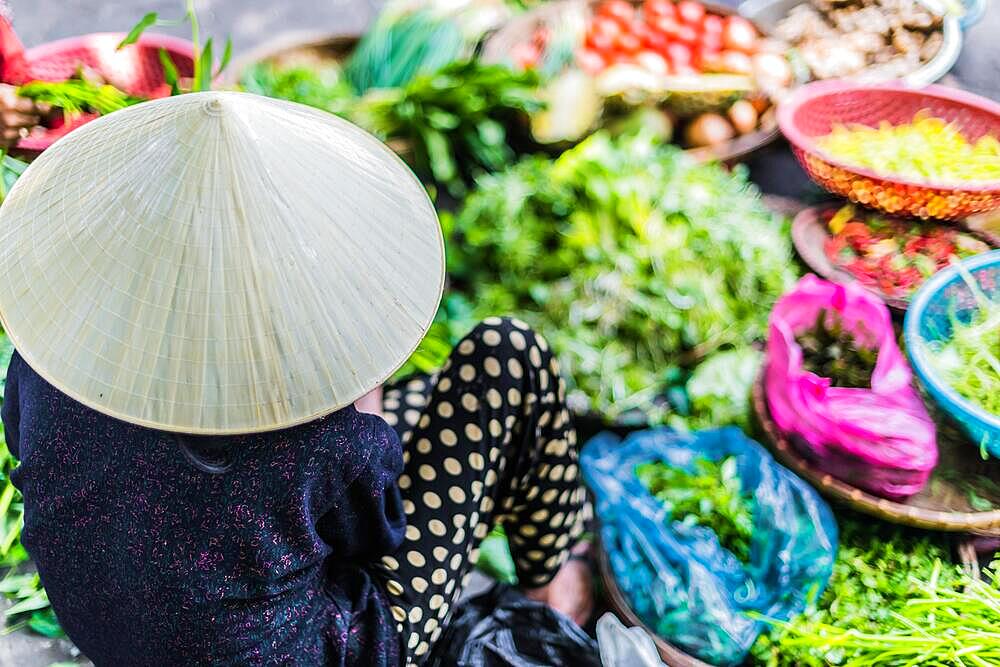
x=218, y=263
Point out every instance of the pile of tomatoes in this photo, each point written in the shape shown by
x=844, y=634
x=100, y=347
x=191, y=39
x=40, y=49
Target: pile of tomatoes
x=667, y=38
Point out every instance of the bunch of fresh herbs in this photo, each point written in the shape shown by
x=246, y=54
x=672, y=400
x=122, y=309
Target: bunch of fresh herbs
x=895, y=601
x=78, y=95
x=710, y=494
x=321, y=87
x=831, y=351
x=410, y=38
x=969, y=356
x=454, y=120
x=634, y=260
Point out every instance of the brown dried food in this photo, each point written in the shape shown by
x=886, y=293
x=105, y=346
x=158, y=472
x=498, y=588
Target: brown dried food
x=931, y=46
x=906, y=41
x=874, y=38
x=866, y=42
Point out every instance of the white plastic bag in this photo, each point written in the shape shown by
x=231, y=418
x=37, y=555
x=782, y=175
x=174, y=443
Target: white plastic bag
x=625, y=647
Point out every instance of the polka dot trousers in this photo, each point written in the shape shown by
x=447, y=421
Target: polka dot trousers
x=486, y=440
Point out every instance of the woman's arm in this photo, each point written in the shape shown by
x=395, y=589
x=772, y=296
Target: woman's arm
x=367, y=521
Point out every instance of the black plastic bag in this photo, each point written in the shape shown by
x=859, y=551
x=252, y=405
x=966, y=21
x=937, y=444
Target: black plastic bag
x=502, y=628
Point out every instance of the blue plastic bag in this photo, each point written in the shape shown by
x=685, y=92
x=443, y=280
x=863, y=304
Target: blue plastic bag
x=678, y=579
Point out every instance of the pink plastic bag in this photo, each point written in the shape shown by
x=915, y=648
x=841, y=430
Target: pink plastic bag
x=879, y=439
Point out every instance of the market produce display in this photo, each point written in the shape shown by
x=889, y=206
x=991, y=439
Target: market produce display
x=710, y=76
x=874, y=40
x=831, y=350
x=409, y=39
x=653, y=276
x=970, y=357
x=894, y=600
x=926, y=150
x=710, y=495
x=676, y=572
x=878, y=437
x=855, y=140
x=893, y=255
x=665, y=38
x=77, y=96
x=634, y=259
x=454, y=120
x=951, y=335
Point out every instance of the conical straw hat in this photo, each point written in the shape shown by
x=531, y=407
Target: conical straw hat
x=218, y=263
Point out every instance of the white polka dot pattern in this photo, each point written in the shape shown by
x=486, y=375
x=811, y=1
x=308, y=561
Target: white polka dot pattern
x=471, y=466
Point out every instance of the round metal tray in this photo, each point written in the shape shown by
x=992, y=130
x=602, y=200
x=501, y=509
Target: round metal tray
x=767, y=14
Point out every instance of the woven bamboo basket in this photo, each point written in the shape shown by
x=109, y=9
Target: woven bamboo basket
x=944, y=504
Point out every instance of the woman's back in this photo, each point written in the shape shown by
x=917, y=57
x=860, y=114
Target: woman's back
x=175, y=554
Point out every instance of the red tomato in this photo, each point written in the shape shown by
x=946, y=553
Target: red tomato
x=739, y=34
x=619, y=10
x=690, y=12
x=653, y=62
x=605, y=26
x=628, y=43
x=679, y=54
x=619, y=58
x=601, y=42
x=666, y=26
x=656, y=41
x=642, y=31
x=659, y=8
x=707, y=58
x=687, y=35
x=736, y=62
x=712, y=24
x=591, y=61
x=711, y=41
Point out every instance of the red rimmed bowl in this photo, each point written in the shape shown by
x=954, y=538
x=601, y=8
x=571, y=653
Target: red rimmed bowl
x=135, y=69
x=812, y=111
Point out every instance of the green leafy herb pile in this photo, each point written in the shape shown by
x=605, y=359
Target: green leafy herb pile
x=711, y=495
x=321, y=87
x=633, y=259
x=893, y=601
x=831, y=351
x=969, y=358
x=454, y=120
x=402, y=45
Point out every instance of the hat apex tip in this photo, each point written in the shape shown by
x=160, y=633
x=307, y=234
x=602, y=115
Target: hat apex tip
x=213, y=104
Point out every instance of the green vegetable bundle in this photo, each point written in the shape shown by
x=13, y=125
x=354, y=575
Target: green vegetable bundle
x=76, y=96
x=323, y=87
x=633, y=259
x=413, y=38
x=711, y=496
x=454, y=120
x=893, y=601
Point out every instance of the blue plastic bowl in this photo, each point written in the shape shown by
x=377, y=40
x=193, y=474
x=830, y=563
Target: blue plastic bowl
x=928, y=319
